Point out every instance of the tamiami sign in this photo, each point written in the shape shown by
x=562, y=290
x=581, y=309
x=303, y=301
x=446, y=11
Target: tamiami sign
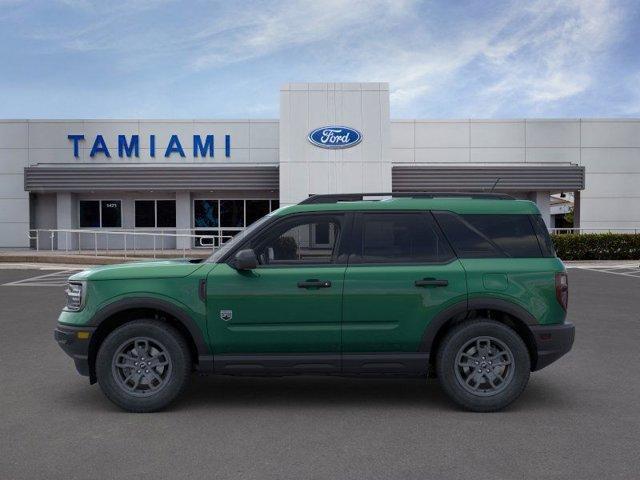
x=129, y=146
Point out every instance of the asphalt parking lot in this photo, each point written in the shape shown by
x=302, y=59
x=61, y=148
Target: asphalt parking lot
x=579, y=418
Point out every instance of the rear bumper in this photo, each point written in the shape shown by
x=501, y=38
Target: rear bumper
x=77, y=347
x=552, y=342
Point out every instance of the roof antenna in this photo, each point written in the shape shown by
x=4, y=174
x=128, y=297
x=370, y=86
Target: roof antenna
x=494, y=184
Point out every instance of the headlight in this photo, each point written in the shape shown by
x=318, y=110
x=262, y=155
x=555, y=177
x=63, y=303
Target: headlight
x=75, y=296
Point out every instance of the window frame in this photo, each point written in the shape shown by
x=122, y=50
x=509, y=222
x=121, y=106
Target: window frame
x=155, y=212
x=100, y=200
x=340, y=257
x=356, y=238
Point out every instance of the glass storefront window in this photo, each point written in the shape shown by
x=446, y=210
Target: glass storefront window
x=155, y=213
x=145, y=213
x=232, y=213
x=166, y=213
x=100, y=213
x=111, y=211
x=256, y=209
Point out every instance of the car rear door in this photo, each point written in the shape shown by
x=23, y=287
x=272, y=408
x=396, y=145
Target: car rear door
x=401, y=273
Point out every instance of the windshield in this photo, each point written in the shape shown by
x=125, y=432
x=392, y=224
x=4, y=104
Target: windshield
x=239, y=238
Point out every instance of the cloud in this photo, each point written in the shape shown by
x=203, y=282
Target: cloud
x=472, y=59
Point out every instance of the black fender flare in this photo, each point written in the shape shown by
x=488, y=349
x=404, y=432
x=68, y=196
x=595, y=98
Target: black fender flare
x=183, y=317
x=476, y=303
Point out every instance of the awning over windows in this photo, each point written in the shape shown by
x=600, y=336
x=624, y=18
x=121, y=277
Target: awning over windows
x=66, y=178
x=554, y=178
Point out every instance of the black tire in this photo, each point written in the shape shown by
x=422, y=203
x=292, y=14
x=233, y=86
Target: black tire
x=479, y=394
x=121, y=347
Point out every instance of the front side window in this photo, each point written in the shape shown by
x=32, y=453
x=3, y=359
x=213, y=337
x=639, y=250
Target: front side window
x=100, y=213
x=294, y=241
x=490, y=235
x=400, y=237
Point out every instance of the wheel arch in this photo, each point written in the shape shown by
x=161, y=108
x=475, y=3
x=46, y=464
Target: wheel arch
x=502, y=311
x=126, y=310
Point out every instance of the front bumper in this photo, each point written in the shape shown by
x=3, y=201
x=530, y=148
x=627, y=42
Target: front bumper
x=552, y=342
x=75, y=343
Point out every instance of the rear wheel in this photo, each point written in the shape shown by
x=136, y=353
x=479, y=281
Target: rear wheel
x=483, y=365
x=143, y=365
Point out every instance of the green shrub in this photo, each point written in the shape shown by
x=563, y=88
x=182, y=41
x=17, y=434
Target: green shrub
x=597, y=246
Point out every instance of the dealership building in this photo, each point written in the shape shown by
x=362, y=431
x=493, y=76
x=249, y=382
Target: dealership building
x=203, y=176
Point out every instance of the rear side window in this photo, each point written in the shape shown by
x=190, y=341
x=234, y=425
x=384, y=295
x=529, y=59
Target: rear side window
x=543, y=236
x=399, y=237
x=490, y=236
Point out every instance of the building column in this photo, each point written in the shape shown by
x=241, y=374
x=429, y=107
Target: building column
x=183, y=219
x=576, y=209
x=66, y=218
x=542, y=201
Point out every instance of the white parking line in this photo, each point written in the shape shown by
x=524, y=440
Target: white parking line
x=626, y=270
x=55, y=279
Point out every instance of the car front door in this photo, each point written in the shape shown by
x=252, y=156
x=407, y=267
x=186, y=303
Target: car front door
x=286, y=313
x=401, y=273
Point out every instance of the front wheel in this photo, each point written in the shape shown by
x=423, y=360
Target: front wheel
x=143, y=365
x=483, y=365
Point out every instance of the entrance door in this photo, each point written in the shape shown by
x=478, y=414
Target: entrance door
x=290, y=305
x=401, y=274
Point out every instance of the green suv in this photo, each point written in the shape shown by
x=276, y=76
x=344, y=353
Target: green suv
x=465, y=287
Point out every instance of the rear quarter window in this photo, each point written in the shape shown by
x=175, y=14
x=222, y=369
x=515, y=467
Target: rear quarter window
x=491, y=235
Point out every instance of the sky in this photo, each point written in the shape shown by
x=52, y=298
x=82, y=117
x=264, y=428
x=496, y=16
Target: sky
x=228, y=59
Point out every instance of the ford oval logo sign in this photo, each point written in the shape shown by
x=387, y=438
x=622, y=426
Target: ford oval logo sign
x=335, y=136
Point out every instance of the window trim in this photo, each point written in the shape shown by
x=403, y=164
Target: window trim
x=155, y=201
x=344, y=240
x=100, y=200
x=357, y=232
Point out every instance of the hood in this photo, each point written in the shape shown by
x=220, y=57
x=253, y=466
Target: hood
x=140, y=270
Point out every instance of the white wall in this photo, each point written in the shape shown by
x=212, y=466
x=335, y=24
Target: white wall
x=306, y=168
x=609, y=150
x=14, y=201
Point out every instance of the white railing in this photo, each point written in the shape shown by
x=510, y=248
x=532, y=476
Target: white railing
x=594, y=230
x=123, y=242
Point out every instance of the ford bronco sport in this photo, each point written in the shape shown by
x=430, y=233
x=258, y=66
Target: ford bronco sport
x=465, y=287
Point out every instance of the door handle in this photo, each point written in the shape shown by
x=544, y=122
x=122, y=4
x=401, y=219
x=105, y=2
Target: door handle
x=314, y=284
x=431, y=282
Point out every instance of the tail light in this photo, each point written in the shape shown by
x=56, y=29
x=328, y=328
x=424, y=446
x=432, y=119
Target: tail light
x=562, y=289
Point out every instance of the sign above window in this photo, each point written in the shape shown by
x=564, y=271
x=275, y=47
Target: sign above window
x=335, y=136
x=130, y=147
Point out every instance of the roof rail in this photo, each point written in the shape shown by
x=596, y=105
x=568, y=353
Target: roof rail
x=355, y=197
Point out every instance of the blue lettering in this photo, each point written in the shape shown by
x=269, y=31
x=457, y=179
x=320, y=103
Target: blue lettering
x=152, y=145
x=99, y=146
x=203, y=149
x=75, y=139
x=227, y=146
x=174, y=147
x=131, y=148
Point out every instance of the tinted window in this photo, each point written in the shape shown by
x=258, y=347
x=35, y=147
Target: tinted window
x=205, y=213
x=543, y=236
x=400, y=238
x=111, y=213
x=145, y=213
x=89, y=214
x=256, y=209
x=296, y=241
x=166, y=213
x=232, y=213
x=487, y=236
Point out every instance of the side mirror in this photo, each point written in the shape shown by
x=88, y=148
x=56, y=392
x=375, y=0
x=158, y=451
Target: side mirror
x=245, y=260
